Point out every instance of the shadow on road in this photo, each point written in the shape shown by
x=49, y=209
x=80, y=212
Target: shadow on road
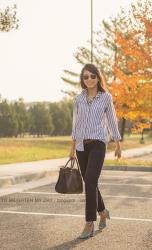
x=72, y=243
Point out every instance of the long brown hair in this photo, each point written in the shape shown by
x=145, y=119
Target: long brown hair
x=94, y=70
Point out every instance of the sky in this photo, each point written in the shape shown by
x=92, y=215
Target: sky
x=32, y=58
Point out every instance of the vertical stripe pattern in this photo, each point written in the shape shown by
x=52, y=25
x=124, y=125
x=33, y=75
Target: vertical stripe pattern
x=94, y=120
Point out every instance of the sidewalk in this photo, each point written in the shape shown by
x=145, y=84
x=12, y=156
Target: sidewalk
x=11, y=174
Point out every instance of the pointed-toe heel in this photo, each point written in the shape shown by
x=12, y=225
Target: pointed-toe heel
x=107, y=214
x=102, y=223
x=86, y=235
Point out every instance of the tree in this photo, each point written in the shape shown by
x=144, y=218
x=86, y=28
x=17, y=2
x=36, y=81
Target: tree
x=61, y=117
x=8, y=19
x=40, y=120
x=21, y=116
x=8, y=122
x=135, y=77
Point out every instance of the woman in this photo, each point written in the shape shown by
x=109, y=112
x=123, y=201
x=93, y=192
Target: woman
x=93, y=116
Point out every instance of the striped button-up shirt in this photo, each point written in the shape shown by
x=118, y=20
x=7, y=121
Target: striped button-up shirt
x=96, y=120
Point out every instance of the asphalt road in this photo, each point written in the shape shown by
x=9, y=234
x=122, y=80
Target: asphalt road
x=40, y=218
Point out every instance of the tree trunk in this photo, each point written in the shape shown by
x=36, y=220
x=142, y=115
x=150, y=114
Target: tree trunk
x=122, y=128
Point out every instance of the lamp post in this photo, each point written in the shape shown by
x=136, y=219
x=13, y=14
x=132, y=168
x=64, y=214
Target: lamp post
x=91, y=31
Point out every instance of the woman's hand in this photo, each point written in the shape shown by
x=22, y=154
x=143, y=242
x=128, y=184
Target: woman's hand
x=72, y=154
x=118, y=150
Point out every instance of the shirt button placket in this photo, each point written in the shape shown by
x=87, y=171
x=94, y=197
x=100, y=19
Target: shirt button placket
x=88, y=113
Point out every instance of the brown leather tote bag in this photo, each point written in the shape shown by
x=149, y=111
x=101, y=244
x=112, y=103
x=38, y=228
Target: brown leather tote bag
x=69, y=179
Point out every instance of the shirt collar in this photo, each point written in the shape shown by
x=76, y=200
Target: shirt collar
x=84, y=93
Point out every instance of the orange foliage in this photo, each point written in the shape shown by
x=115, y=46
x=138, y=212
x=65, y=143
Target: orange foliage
x=132, y=87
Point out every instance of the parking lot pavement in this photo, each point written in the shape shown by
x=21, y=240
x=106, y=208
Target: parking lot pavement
x=39, y=218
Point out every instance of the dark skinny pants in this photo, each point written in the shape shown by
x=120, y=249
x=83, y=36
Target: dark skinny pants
x=91, y=162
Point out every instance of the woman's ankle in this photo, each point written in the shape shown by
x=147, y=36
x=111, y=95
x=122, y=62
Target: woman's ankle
x=89, y=222
x=100, y=212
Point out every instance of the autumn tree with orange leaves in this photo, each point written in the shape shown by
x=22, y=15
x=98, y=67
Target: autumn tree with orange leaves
x=132, y=86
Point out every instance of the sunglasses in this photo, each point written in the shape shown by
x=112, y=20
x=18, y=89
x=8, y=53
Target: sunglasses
x=92, y=76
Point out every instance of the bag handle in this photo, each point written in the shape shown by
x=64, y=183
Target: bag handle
x=67, y=163
x=74, y=159
x=72, y=163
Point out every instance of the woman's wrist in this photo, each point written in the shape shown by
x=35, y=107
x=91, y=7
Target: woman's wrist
x=118, y=144
x=73, y=146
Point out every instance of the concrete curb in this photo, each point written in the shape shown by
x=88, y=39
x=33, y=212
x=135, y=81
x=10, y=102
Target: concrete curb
x=9, y=181
x=128, y=168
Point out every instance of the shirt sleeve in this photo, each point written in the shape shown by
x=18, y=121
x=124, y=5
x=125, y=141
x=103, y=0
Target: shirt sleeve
x=112, y=120
x=75, y=110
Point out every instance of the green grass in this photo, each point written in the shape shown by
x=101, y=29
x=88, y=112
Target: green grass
x=27, y=149
x=33, y=149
